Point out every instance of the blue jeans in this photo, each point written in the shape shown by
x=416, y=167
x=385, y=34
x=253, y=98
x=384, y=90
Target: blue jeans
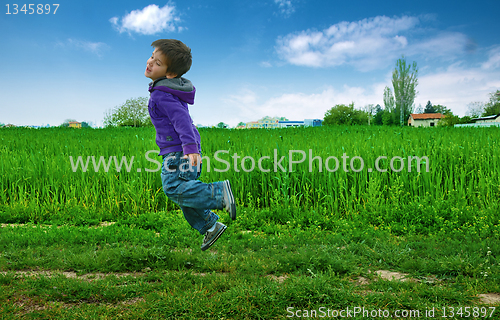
x=180, y=184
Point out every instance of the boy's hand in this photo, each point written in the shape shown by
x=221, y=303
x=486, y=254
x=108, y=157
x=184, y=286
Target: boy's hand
x=194, y=158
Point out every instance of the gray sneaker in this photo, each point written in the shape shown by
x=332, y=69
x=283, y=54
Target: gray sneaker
x=227, y=195
x=211, y=237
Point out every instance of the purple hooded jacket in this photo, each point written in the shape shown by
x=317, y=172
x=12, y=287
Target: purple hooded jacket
x=168, y=109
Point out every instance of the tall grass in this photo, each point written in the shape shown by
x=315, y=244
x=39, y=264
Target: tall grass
x=462, y=185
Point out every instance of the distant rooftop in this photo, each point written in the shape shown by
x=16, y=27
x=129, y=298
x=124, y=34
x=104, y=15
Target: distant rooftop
x=425, y=116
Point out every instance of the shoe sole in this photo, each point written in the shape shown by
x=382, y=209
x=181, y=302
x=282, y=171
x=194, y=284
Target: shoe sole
x=232, y=204
x=212, y=241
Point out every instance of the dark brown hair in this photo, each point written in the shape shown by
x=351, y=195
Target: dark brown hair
x=178, y=55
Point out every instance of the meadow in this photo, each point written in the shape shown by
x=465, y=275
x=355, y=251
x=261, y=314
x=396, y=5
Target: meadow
x=460, y=191
x=108, y=244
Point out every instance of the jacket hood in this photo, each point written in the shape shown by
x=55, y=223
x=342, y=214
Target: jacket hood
x=180, y=87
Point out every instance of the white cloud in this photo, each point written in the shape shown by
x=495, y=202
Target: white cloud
x=366, y=44
x=150, y=20
x=244, y=97
x=286, y=7
x=443, y=45
x=96, y=48
x=494, y=59
x=298, y=106
x=456, y=87
x=265, y=64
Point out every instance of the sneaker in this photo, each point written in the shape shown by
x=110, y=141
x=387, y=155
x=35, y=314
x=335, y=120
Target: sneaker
x=211, y=237
x=227, y=196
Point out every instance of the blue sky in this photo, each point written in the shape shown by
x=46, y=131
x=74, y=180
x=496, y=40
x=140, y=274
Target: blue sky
x=290, y=58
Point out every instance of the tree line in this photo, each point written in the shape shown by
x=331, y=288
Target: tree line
x=399, y=104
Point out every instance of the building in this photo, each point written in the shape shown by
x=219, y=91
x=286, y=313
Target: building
x=270, y=123
x=313, y=122
x=266, y=122
x=489, y=119
x=288, y=124
x=75, y=124
x=305, y=123
x=424, y=119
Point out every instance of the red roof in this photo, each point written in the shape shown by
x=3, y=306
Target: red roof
x=425, y=116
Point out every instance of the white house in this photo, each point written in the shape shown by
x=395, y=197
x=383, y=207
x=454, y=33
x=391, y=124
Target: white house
x=424, y=119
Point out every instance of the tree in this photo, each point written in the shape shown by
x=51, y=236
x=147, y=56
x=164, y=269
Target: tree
x=475, y=109
x=369, y=109
x=404, y=81
x=241, y=124
x=442, y=109
x=389, y=103
x=419, y=109
x=344, y=115
x=466, y=119
x=429, y=108
x=222, y=125
x=388, y=118
x=134, y=113
x=491, y=110
x=493, y=106
x=377, y=119
x=449, y=120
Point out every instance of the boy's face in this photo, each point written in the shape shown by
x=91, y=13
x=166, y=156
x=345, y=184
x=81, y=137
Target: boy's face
x=156, y=66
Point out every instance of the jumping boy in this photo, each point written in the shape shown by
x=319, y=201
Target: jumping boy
x=179, y=141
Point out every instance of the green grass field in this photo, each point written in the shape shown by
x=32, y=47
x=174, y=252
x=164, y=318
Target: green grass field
x=109, y=245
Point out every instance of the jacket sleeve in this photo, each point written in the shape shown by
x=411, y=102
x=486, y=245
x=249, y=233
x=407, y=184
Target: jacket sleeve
x=180, y=119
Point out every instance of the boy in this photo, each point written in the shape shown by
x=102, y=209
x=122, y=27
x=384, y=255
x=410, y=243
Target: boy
x=179, y=141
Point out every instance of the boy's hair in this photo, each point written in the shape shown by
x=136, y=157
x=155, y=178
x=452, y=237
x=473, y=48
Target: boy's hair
x=178, y=55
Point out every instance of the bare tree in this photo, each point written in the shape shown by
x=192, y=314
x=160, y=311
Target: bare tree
x=419, y=109
x=475, y=109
